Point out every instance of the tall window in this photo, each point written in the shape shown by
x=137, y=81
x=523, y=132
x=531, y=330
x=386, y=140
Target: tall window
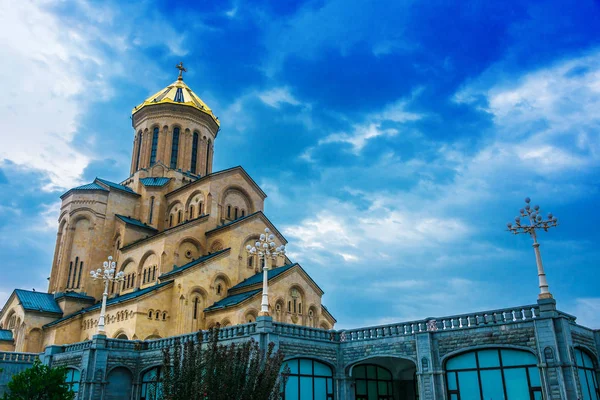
x=194, y=152
x=154, y=146
x=174, y=148
x=372, y=382
x=152, y=384
x=587, y=376
x=195, y=312
x=74, y=277
x=308, y=380
x=72, y=380
x=207, y=155
x=138, y=151
x=493, y=374
x=151, y=209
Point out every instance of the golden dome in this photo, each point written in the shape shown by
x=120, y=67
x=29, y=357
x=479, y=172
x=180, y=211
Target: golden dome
x=177, y=93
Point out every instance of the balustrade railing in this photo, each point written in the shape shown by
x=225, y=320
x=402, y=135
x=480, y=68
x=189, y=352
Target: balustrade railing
x=303, y=332
x=122, y=344
x=230, y=332
x=78, y=346
x=7, y=356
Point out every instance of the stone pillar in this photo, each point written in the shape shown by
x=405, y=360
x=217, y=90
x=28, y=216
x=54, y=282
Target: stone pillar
x=95, y=362
x=48, y=355
x=428, y=369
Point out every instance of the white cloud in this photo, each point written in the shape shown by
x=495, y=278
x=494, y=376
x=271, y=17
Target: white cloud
x=278, y=96
x=359, y=136
x=587, y=311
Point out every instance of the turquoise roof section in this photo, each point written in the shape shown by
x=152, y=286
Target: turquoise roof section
x=6, y=334
x=257, y=278
x=38, y=301
x=115, y=186
x=235, y=221
x=74, y=295
x=135, y=222
x=232, y=300
x=155, y=181
x=114, y=300
x=90, y=186
x=177, y=269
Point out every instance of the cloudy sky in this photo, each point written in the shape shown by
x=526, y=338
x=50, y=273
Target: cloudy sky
x=395, y=139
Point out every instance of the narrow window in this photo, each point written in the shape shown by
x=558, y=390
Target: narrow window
x=151, y=209
x=139, y=149
x=194, y=152
x=70, y=272
x=79, y=278
x=164, y=316
x=235, y=213
x=154, y=146
x=294, y=306
x=157, y=314
x=170, y=220
x=112, y=289
x=144, y=281
x=299, y=308
x=150, y=314
x=289, y=306
x=200, y=208
x=250, y=261
x=174, y=148
x=219, y=288
x=243, y=213
x=179, y=96
x=154, y=273
x=207, y=155
x=229, y=212
x=196, y=308
x=179, y=216
x=191, y=216
x=75, y=271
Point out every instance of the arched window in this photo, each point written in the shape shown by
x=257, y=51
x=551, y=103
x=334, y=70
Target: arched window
x=139, y=149
x=250, y=261
x=587, y=376
x=308, y=379
x=72, y=380
x=164, y=317
x=372, y=382
x=157, y=314
x=150, y=314
x=207, y=155
x=145, y=271
x=195, y=311
x=493, y=374
x=200, y=211
x=191, y=214
x=229, y=212
x=152, y=384
x=154, y=146
x=179, y=216
x=194, y=152
x=235, y=213
x=151, y=209
x=243, y=212
x=174, y=148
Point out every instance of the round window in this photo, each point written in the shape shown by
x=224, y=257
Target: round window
x=188, y=254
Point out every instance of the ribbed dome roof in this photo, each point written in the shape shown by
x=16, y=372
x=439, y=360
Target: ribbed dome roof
x=177, y=93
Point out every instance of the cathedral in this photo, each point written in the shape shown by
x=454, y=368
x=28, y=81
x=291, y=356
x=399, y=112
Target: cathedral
x=178, y=232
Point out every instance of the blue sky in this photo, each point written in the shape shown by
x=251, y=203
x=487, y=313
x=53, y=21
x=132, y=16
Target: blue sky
x=395, y=139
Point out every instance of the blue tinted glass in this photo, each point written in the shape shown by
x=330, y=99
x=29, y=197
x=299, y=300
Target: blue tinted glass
x=291, y=388
x=372, y=390
x=322, y=369
x=516, y=383
x=383, y=373
x=463, y=361
x=329, y=385
x=468, y=384
x=452, y=381
x=488, y=358
x=359, y=371
x=491, y=383
x=534, y=376
x=306, y=366
x=591, y=383
x=587, y=360
x=382, y=388
x=372, y=372
x=361, y=387
x=293, y=365
x=515, y=357
x=75, y=388
x=306, y=388
x=320, y=389
x=584, y=387
x=537, y=396
x=453, y=397
x=150, y=375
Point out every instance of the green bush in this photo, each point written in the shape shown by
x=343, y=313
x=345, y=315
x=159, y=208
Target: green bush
x=39, y=382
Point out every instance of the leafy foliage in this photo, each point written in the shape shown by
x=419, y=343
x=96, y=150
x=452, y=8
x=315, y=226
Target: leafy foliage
x=39, y=382
x=199, y=371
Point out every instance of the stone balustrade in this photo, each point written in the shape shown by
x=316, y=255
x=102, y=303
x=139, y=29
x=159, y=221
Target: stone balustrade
x=303, y=332
x=7, y=356
x=78, y=346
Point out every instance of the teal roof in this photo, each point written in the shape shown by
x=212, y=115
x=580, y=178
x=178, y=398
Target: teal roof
x=114, y=300
x=257, y=278
x=177, y=269
x=155, y=181
x=232, y=300
x=235, y=221
x=136, y=222
x=6, y=334
x=115, y=186
x=90, y=186
x=37, y=301
x=74, y=295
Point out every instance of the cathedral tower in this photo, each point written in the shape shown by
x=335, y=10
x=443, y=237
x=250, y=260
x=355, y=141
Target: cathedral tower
x=174, y=129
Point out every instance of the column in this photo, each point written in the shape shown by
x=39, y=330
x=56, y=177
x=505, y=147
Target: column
x=429, y=372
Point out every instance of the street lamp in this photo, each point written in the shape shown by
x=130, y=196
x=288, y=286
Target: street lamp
x=107, y=275
x=536, y=221
x=265, y=249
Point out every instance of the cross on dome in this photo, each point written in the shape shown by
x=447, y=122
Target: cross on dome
x=181, y=69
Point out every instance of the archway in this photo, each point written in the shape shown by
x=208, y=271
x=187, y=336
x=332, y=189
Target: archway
x=119, y=383
x=384, y=378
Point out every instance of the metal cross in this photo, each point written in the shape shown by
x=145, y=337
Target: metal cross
x=181, y=69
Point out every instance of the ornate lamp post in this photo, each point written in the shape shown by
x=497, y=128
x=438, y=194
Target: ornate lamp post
x=536, y=221
x=107, y=275
x=265, y=249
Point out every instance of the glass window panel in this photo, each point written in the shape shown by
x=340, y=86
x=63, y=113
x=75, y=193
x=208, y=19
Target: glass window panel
x=329, y=385
x=491, y=383
x=578, y=357
x=468, y=384
x=306, y=366
x=291, y=388
x=293, y=365
x=359, y=371
x=488, y=358
x=591, y=383
x=583, y=382
x=516, y=383
x=150, y=375
x=391, y=390
x=320, y=389
x=322, y=369
x=587, y=360
x=534, y=376
x=372, y=372
x=464, y=361
x=453, y=397
x=452, y=381
x=361, y=387
x=511, y=358
x=537, y=396
x=75, y=388
x=382, y=387
x=383, y=373
x=306, y=388
x=372, y=390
